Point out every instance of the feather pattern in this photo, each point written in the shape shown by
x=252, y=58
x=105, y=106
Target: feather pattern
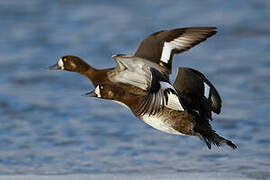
x=160, y=47
x=134, y=71
x=197, y=92
x=161, y=94
x=211, y=93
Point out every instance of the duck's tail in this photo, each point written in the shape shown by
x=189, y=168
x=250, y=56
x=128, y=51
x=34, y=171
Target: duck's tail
x=217, y=140
x=209, y=136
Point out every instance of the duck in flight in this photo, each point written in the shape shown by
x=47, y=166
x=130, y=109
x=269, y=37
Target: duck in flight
x=197, y=94
x=162, y=108
x=157, y=51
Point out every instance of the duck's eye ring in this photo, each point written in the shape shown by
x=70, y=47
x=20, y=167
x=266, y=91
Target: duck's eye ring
x=65, y=59
x=101, y=87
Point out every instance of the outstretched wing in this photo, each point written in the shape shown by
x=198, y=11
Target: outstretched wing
x=210, y=93
x=197, y=92
x=160, y=47
x=161, y=94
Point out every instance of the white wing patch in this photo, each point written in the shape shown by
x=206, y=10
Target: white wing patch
x=206, y=90
x=166, y=52
x=173, y=99
x=182, y=42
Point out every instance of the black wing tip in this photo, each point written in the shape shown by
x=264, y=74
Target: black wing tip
x=216, y=110
x=207, y=35
x=216, y=101
x=203, y=27
x=210, y=29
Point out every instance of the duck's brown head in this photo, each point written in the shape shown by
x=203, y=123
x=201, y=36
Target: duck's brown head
x=70, y=63
x=107, y=91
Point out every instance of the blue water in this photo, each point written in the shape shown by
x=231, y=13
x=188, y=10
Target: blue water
x=46, y=127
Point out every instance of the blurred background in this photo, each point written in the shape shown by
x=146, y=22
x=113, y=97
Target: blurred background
x=47, y=127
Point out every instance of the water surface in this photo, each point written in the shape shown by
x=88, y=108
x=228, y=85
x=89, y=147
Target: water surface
x=47, y=128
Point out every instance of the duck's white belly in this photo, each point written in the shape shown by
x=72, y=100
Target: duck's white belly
x=158, y=124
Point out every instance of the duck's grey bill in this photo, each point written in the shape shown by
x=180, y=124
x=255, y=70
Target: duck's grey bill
x=54, y=67
x=90, y=94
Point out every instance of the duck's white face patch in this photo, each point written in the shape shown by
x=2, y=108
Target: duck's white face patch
x=61, y=63
x=97, y=91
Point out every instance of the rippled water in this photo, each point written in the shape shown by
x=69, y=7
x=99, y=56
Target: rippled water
x=46, y=127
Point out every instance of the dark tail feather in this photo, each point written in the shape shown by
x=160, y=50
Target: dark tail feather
x=215, y=139
x=222, y=140
x=205, y=132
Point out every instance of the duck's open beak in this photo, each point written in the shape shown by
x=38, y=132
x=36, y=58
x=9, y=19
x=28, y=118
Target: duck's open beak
x=90, y=94
x=54, y=67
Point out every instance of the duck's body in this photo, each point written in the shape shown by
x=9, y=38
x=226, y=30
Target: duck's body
x=168, y=120
x=178, y=122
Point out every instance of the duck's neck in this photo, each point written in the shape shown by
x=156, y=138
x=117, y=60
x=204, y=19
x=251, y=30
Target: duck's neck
x=97, y=76
x=89, y=72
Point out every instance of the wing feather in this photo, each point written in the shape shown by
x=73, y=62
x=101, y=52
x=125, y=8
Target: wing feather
x=160, y=47
x=161, y=94
x=197, y=92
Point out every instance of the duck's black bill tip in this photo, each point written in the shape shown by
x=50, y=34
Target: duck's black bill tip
x=54, y=67
x=90, y=94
